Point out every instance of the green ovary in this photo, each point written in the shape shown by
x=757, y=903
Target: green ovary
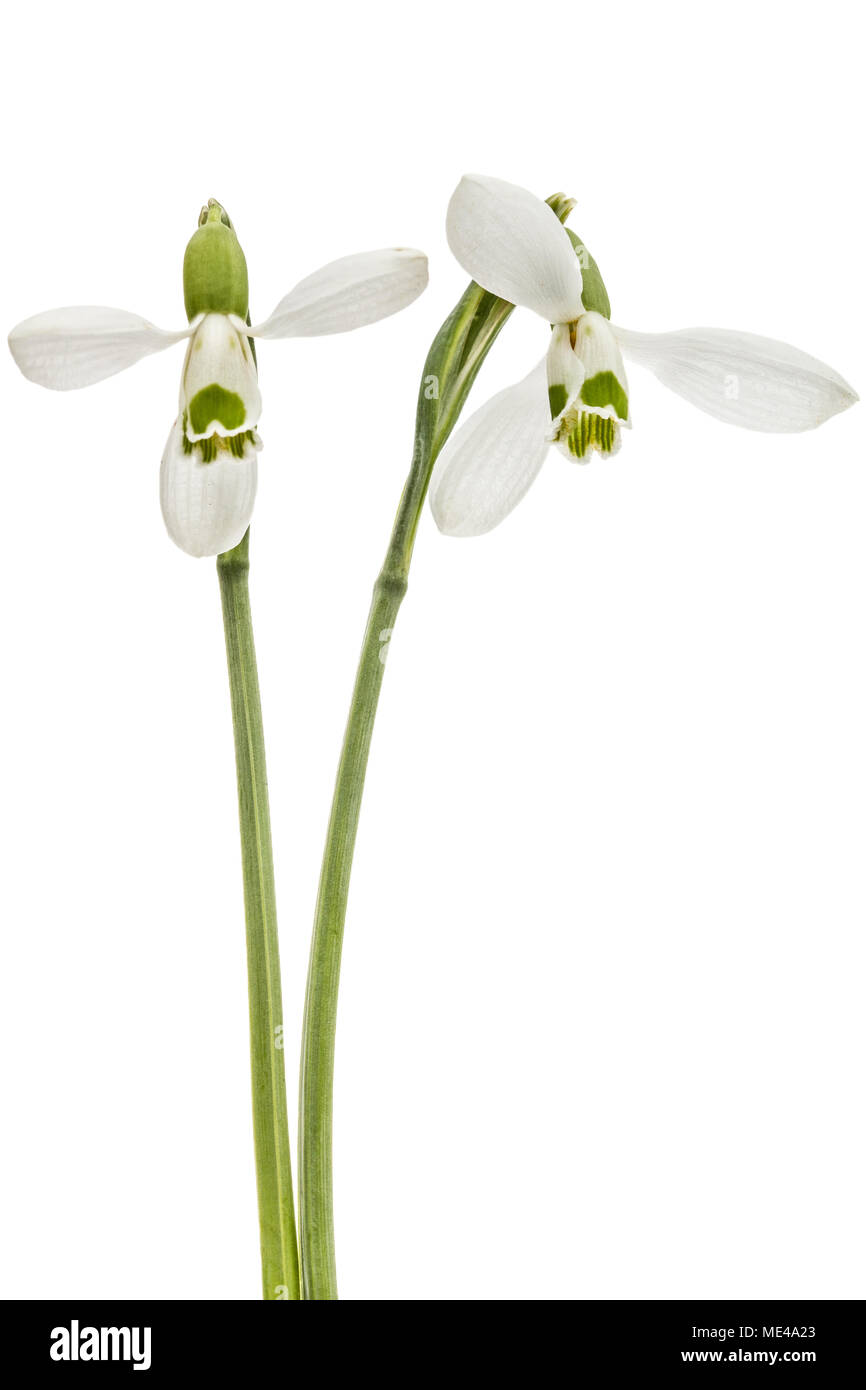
x=604, y=389
x=215, y=403
x=214, y=269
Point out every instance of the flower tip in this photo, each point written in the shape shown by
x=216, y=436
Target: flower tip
x=410, y=272
x=214, y=212
x=846, y=398
x=26, y=360
x=562, y=205
x=417, y=260
x=838, y=397
x=13, y=341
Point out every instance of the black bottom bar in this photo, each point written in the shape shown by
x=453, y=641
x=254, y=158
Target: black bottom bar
x=602, y=1339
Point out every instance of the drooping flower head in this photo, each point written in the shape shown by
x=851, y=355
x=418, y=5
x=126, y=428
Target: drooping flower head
x=515, y=246
x=209, y=467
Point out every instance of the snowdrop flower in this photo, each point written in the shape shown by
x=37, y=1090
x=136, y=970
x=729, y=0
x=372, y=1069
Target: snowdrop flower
x=577, y=398
x=209, y=468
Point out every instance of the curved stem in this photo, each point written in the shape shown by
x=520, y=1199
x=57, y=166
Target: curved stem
x=453, y=362
x=320, y=1014
x=451, y=367
x=280, y=1274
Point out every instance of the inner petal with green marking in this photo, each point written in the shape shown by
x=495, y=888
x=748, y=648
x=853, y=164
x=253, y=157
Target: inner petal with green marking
x=238, y=445
x=604, y=388
x=580, y=432
x=219, y=391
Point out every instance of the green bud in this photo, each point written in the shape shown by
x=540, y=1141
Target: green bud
x=214, y=267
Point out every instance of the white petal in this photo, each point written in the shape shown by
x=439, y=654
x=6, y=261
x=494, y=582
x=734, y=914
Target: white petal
x=206, y=506
x=347, y=294
x=565, y=370
x=219, y=392
x=67, y=348
x=515, y=246
x=742, y=379
x=491, y=462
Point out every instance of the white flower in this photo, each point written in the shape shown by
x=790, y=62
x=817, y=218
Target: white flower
x=209, y=468
x=514, y=245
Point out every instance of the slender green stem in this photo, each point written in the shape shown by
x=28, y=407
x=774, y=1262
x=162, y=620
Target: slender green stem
x=280, y=1275
x=452, y=365
x=320, y=1014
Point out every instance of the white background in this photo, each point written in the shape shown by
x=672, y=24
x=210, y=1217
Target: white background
x=601, y=1027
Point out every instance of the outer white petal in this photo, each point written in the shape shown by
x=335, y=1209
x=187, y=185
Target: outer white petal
x=206, y=506
x=347, y=294
x=219, y=356
x=742, y=379
x=515, y=246
x=67, y=348
x=490, y=464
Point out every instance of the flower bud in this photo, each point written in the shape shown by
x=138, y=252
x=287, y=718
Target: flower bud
x=214, y=267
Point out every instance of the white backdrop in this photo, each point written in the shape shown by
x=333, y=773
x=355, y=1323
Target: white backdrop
x=601, y=1030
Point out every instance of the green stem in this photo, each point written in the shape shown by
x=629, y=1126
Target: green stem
x=279, y=1247
x=320, y=1014
x=452, y=365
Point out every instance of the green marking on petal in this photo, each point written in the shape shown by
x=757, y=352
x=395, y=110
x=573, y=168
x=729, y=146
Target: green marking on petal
x=558, y=397
x=237, y=443
x=604, y=389
x=215, y=403
x=584, y=431
x=208, y=450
